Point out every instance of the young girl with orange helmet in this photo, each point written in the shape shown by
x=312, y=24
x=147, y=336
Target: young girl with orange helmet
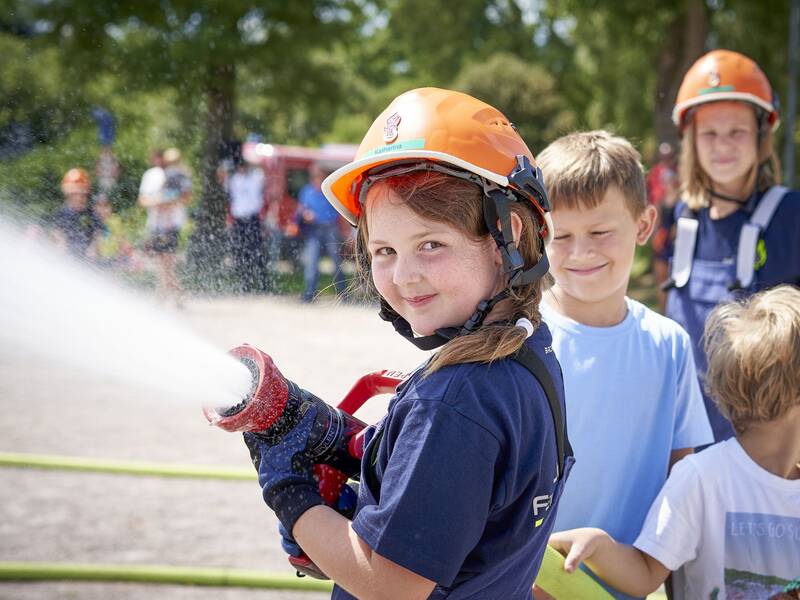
x=738, y=230
x=460, y=479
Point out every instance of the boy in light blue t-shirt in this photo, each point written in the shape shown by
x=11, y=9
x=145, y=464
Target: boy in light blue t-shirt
x=633, y=402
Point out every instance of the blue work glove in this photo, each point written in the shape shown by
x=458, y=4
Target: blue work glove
x=288, y=544
x=285, y=471
x=345, y=505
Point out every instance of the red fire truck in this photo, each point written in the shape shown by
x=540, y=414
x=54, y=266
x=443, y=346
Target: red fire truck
x=286, y=169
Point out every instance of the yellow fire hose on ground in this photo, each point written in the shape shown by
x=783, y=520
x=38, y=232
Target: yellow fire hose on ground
x=552, y=577
x=221, y=577
x=96, y=465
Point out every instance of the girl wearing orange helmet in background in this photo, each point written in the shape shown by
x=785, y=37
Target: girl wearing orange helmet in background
x=738, y=231
x=460, y=479
x=75, y=227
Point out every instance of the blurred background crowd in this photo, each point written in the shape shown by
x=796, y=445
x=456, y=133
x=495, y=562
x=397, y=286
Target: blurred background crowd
x=188, y=142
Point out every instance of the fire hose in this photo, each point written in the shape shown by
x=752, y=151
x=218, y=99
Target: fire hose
x=158, y=574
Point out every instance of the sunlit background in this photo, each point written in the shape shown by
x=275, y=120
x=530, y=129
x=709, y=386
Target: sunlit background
x=280, y=86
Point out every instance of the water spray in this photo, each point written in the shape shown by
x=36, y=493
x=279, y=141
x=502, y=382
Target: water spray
x=69, y=313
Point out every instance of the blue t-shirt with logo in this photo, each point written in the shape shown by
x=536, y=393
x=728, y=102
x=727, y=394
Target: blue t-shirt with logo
x=462, y=490
x=714, y=270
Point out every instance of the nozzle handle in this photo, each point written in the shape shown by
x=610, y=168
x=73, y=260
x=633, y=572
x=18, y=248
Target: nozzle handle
x=371, y=384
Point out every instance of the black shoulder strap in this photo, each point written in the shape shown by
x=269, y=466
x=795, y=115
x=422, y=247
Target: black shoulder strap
x=371, y=475
x=531, y=361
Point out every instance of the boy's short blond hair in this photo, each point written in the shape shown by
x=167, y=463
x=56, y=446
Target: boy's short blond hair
x=579, y=168
x=753, y=350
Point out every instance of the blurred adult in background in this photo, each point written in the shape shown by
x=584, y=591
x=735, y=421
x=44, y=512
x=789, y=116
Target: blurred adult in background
x=177, y=184
x=75, y=227
x=319, y=225
x=663, y=187
x=738, y=230
x=246, y=195
x=165, y=191
x=106, y=169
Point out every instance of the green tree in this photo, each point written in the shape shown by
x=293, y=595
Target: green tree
x=37, y=103
x=526, y=93
x=627, y=59
x=430, y=41
x=621, y=64
x=200, y=51
x=761, y=31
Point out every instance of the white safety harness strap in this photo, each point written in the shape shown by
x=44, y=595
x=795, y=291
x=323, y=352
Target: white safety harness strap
x=686, y=240
x=748, y=238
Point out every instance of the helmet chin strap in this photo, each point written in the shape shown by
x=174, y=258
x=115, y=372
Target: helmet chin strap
x=496, y=207
x=401, y=326
x=441, y=336
x=740, y=201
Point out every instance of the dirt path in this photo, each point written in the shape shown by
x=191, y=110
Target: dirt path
x=82, y=517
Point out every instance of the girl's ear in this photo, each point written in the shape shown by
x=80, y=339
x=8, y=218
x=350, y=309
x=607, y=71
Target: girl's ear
x=516, y=234
x=516, y=227
x=645, y=225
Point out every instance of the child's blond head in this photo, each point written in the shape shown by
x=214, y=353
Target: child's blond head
x=753, y=350
x=579, y=168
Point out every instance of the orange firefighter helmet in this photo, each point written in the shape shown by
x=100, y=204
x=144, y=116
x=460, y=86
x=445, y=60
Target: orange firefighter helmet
x=725, y=75
x=75, y=181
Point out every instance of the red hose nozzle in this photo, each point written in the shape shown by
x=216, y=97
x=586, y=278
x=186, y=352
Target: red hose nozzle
x=264, y=403
x=274, y=406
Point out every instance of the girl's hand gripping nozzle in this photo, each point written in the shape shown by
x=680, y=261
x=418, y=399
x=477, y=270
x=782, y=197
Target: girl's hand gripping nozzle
x=274, y=406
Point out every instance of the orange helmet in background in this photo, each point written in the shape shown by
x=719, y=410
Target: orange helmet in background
x=445, y=128
x=724, y=75
x=75, y=181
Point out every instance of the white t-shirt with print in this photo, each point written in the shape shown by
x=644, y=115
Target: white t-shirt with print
x=729, y=528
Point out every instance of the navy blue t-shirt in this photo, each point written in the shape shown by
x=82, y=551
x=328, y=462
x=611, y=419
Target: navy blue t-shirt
x=463, y=485
x=79, y=228
x=714, y=270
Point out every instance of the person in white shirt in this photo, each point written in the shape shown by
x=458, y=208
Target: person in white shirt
x=165, y=191
x=727, y=521
x=246, y=193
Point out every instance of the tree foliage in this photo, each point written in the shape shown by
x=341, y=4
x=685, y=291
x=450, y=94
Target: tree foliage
x=525, y=92
x=623, y=61
x=36, y=102
x=302, y=72
x=200, y=51
x=433, y=40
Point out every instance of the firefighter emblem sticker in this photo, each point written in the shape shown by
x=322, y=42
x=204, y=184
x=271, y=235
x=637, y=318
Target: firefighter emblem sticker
x=713, y=78
x=391, y=130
